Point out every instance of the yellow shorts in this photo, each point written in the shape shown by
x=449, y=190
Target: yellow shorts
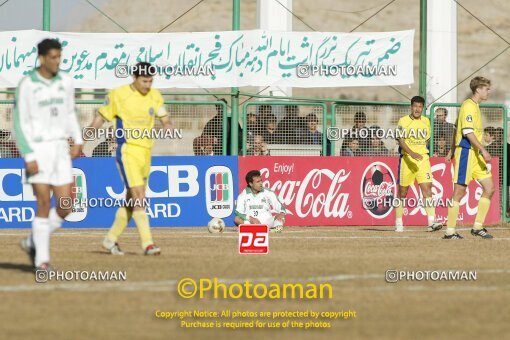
x=469, y=165
x=410, y=169
x=134, y=163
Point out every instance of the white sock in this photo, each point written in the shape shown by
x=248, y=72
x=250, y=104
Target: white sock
x=431, y=220
x=55, y=220
x=30, y=241
x=450, y=231
x=41, y=237
x=277, y=223
x=399, y=222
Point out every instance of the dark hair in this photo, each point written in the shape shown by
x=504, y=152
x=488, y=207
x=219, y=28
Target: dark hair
x=219, y=107
x=48, y=44
x=143, y=69
x=442, y=109
x=271, y=118
x=491, y=130
x=360, y=116
x=311, y=117
x=294, y=109
x=252, y=174
x=265, y=109
x=417, y=99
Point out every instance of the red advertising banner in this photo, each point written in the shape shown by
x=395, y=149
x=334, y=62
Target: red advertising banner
x=351, y=191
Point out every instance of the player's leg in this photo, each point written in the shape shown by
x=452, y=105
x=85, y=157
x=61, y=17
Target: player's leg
x=122, y=218
x=406, y=176
x=269, y=219
x=426, y=190
x=41, y=227
x=58, y=214
x=138, y=162
x=142, y=221
x=399, y=209
x=461, y=179
x=123, y=214
x=424, y=179
x=484, y=177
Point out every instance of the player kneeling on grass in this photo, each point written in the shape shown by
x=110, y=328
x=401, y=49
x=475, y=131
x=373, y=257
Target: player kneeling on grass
x=44, y=118
x=256, y=204
x=414, y=163
x=133, y=107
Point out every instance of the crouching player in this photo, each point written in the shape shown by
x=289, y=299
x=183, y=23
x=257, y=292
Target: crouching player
x=256, y=205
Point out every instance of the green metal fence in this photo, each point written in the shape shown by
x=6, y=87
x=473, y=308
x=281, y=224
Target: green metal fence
x=284, y=128
x=349, y=116
x=189, y=118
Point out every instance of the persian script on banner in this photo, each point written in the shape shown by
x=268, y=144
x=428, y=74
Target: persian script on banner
x=220, y=59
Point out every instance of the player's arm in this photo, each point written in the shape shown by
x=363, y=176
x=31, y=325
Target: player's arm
x=22, y=127
x=474, y=142
x=162, y=114
x=240, y=212
x=468, y=130
x=278, y=206
x=73, y=126
x=450, y=154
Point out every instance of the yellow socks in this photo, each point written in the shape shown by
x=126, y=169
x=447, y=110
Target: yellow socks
x=120, y=223
x=431, y=210
x=453, y=213
x=142, y=223
x=399, y=212
x=483, y=208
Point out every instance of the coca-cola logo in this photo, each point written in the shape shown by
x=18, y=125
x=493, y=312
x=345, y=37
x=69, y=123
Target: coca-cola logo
x=377, y=189
x=318, y=194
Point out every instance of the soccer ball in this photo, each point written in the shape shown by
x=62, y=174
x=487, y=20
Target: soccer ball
x=216, y=225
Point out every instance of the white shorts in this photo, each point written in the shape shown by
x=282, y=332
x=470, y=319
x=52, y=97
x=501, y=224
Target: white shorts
x=54, y=163
x=266, y=218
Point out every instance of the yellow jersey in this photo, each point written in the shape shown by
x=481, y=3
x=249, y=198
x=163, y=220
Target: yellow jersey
x=133, y=114
x=415, y=133
x=469, y=120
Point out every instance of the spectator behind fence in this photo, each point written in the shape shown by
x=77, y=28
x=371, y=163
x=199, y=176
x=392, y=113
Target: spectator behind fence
x=269, y=133
x=258, y=147
x=496, y=147
x=252, y=125
x=376, y=146
x=359, y=129
x=265, y=112
x=351, y=147
x=441, y=148
x=288, y=129
x=203, y=146
x=214, y=128
x=8, y=147
x=442, y=127
x=105, y=148
x=310, y=135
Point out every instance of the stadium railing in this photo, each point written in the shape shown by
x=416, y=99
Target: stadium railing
x=298, y=127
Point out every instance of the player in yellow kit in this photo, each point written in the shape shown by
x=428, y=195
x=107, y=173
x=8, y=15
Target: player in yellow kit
x=471, y=159
x=132, y=109
x=414, y=164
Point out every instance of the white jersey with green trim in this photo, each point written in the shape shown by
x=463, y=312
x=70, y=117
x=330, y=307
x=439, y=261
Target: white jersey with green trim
x=44, y=112
x=261, y=204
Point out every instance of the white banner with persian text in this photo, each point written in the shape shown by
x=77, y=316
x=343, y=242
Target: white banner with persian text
x=220, y=59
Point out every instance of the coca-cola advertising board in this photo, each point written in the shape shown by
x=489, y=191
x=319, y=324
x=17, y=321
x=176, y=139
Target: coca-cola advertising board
x=351, y=191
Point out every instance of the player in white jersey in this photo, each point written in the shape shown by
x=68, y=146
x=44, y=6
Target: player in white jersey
x=259, y=205
x=44, y=118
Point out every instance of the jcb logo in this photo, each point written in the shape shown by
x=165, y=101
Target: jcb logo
x=253, y=239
